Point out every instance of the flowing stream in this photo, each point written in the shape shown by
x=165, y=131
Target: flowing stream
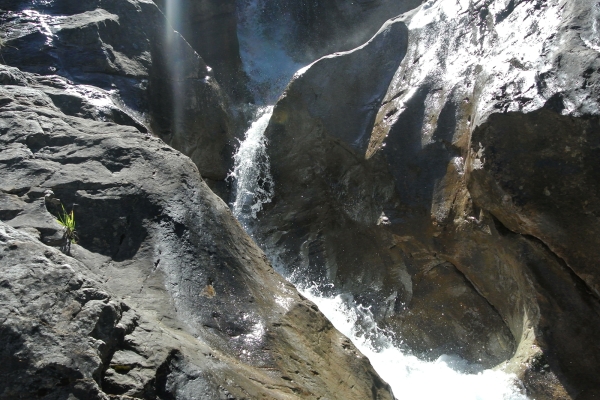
x=269, y=69
x=409, y=377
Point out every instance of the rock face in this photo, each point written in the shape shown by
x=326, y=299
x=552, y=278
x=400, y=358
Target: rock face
x=128, y=50
x=164, y=288
x=64, y=334
x=346, y=201
x=210, y=26
x=312, y=29
x=445, y=175
x=164, y=295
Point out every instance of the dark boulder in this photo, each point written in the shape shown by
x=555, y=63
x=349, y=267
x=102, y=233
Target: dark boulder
x=129, y=50
x=164, y=295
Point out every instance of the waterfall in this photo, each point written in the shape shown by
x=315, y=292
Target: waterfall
x=410, y=377
x=269, y=68
x=447, y=378
x=253, y=184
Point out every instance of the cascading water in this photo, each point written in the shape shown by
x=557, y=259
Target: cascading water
x=269, y=69
x=251, y=173
x=409, y=377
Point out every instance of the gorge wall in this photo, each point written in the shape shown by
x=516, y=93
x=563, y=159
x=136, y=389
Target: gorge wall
x=131, y=52
x=164, y=296
x=444, y=175
x=442, y=172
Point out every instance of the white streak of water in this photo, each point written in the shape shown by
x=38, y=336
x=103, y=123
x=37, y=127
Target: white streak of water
x=253, y=184
x=410, y=377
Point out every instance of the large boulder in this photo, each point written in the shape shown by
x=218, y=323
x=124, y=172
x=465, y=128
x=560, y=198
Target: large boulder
x=335, y=227
x=163, y=295
x=463, y=212
x=129, y=50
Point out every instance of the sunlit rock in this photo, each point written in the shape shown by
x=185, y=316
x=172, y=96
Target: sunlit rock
x=480, y=156
x=128, y=50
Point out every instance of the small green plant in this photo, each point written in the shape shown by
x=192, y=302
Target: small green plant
x=2, y=45
x=67, y=220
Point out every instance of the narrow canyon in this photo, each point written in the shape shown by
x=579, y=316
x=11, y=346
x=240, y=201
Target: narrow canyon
x=300, y=199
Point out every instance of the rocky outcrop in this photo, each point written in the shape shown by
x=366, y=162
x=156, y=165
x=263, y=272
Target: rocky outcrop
x=64, y=334
x=456, y=195
x=346, y=201
x=210, y=26
x=130, y=51
x=164, y=295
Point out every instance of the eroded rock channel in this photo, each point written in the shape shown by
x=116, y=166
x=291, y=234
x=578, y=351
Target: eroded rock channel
x=427, y=179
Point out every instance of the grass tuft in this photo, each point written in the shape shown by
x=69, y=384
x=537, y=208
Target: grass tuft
x=67, y=220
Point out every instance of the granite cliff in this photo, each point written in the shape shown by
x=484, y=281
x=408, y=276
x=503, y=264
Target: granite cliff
x=443, y=173
x=163, y=295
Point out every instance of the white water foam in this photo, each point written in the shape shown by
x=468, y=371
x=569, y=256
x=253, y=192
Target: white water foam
x=410, y=377
x=253, y=184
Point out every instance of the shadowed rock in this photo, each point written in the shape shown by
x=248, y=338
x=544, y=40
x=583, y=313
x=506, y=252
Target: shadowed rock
x=210, y=27
x=464, y=213
x=164, y=295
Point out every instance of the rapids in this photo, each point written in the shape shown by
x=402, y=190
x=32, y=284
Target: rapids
x=448, y=377
x=269, y=69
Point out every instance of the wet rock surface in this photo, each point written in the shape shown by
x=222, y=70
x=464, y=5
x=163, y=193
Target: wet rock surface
x=210, y=27
x=312, y=29
x=128, y=50
x=164, y=295
x=473, y=188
